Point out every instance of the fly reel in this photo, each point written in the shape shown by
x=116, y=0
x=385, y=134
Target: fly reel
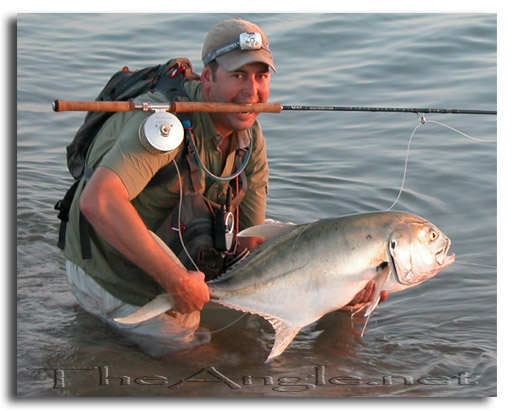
x=161, y=132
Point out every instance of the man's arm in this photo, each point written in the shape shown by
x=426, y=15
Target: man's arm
x=105, y=203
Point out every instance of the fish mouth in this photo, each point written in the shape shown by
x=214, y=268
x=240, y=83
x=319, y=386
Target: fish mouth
x=442, y=257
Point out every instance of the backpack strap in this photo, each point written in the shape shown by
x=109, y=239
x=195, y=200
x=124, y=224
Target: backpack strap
x=63, y=206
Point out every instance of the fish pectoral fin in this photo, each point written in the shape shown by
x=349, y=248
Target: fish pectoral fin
x=284, y=334
x=383, y=271
x=157, y=306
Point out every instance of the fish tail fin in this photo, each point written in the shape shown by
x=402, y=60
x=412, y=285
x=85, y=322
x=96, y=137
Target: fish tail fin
x=284, y=334
x=157, y=306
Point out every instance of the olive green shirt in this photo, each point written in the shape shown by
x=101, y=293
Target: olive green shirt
x=117, y=147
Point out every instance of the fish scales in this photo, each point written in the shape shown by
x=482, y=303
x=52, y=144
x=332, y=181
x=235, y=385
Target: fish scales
x=326, y=283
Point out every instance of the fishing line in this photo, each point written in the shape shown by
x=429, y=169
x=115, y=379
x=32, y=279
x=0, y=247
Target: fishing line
x=460, y=132
x=180, y=216
x=189, y=255
x=405, y=167
x=423, y=120
x=225, y=327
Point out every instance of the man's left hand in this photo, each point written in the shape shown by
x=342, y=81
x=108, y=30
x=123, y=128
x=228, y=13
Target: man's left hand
x=363, y=297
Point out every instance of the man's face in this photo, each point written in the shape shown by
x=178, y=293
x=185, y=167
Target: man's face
x=249, y=84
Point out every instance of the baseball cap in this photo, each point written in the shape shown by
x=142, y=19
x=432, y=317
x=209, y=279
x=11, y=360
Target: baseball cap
x=236, y=42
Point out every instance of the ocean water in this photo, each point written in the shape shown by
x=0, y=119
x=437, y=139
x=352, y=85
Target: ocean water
x=434, y=340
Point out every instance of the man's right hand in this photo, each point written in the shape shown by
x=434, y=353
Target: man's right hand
x=188, y=292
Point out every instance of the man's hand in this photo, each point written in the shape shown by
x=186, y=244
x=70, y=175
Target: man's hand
x=188, y=292
x=363, y=297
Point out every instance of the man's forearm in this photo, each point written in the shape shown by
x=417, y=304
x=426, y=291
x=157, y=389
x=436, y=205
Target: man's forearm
x=106, y=205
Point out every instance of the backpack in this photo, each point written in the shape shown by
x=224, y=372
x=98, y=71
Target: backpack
x=168, y=78
x=124, y=85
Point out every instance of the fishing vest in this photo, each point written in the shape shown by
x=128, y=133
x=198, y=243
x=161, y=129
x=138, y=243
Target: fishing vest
x=201, y=234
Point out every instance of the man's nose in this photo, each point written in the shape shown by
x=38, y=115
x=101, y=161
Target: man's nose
x=251, y=86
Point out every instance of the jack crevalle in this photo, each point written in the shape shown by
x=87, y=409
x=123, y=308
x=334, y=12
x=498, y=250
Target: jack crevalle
x=303, y=272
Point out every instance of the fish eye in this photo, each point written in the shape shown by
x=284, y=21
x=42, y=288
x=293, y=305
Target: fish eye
x=433, y=235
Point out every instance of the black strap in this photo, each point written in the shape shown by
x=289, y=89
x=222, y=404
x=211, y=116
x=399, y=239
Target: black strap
x=63, y=206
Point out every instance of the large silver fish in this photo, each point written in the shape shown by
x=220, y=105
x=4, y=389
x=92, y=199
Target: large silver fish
x=303, y=272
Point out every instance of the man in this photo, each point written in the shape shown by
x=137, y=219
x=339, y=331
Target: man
x=128, y=267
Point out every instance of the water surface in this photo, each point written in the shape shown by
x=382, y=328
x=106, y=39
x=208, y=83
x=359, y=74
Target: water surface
x=438, y=339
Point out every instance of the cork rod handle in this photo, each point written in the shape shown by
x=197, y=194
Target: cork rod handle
x=175, y=107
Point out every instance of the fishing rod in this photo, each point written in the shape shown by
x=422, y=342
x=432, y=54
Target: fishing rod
x=191, y=107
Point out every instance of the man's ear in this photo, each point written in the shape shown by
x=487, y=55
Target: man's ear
x=206, y=78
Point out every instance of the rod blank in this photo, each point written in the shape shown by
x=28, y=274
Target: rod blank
x=388, y=109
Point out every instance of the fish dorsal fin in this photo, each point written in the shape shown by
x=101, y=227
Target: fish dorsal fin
x=284, y=334
x=269, y=231
x=383, y=271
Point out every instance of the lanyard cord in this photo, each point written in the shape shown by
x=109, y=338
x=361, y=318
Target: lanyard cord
x=187, y=128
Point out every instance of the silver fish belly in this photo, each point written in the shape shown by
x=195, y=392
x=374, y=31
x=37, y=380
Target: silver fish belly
x=305, y=271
